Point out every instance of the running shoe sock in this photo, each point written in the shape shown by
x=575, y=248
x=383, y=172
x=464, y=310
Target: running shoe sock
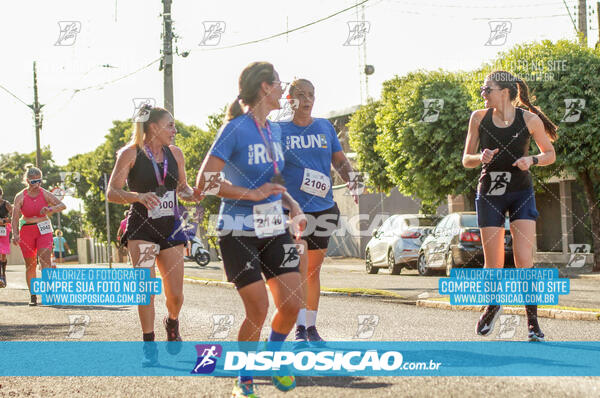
x=532, y=321
x=3, y=268
x=244, y=379
x=172, y=322
x=301, y=320
x=148, y=336
x=311, y=318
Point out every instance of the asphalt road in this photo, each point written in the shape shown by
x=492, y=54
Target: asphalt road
x=338, y=320
x=350, y=273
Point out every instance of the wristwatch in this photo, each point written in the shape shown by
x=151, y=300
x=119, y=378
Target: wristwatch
x=535, y=160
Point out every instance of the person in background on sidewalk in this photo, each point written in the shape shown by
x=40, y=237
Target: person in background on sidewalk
x=311, y=149
x=121, y=241
x=35, y=236
x=504, y=132
x=5, y=228
x=60, y=244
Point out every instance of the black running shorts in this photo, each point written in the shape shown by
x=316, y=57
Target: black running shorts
x=247, y=258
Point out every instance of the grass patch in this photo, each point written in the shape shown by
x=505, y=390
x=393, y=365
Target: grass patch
x=372, y=292
x=202, y=279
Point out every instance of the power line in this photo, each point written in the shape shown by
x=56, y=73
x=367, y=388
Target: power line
x=532, y=17
x=570, y=16
x=102, y=85
x=287, y=31
x=420, y=4
x=19, y=99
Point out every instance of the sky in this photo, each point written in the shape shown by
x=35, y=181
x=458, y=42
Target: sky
x=125, y=35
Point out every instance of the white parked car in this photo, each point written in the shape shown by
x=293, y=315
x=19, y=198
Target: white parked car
x=395, y=245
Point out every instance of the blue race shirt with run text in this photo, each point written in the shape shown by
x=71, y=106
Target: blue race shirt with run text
x=309, y=147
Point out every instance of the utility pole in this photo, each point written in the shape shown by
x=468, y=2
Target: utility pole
x=109, y=244
x=36, y=107
x=598, y=15
x=582, y=21
x=167, y=61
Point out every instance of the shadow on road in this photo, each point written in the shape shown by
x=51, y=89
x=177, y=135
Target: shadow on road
x=328, y=381
x=39, y=331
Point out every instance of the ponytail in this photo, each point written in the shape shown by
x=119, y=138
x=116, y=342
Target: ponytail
x=234, y=109
x=518, y=87
x=524, y=100
x=146, y=115
x=250, y=83
x=137, y=136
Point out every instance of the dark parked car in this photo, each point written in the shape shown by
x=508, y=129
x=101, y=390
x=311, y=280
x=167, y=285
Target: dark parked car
x=456, y=242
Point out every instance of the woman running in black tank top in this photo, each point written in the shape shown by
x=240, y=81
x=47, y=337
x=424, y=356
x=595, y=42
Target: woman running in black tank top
x=505, y=185
x=155, y=173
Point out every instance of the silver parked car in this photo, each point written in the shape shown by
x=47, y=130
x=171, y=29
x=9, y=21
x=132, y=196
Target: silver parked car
x=395, y=245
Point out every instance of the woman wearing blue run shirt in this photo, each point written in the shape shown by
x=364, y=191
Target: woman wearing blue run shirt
x=311, y=148
x=252, y=234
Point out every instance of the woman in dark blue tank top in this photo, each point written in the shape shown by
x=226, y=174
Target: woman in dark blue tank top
x=154, y=171
x=503, y=132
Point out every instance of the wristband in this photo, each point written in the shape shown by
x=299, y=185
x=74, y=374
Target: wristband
x=535, y=160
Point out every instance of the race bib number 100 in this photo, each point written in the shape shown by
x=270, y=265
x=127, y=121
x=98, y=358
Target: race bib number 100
x=268, y=219
x=315, y=183
x=166, y=207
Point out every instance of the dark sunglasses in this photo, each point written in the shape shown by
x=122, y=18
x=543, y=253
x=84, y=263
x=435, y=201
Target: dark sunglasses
x=38, y=181
x=488, y=89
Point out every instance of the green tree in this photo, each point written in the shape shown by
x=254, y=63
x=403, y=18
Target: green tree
x=13, y=167
x=556, y=72
x=423, y=122
x=92, y=166
x=195, y=146
x=363, y=133
x=70, y=225
x=193, y=141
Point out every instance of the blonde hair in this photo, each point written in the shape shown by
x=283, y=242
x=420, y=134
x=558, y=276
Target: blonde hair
x=58, y=232
x=250, y=81
x=146, y=115
x=31, y=171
